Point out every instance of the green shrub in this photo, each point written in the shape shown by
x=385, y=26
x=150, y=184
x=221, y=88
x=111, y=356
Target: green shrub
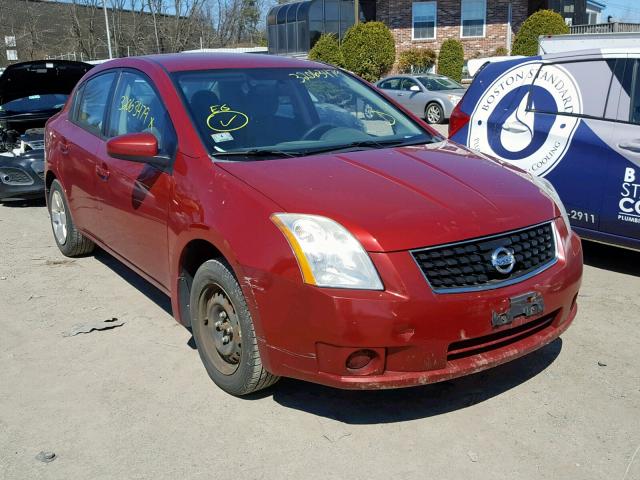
x=416, y=60
x=542, y=22
x=369, y=50
x=327, y=49
x=501, y=52
x=451, y=59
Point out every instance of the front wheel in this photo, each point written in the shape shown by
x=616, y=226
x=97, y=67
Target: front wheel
x=69, y=240
x=433, y=113
x=223, y=331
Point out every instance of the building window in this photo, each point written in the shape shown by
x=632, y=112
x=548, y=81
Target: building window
x=12, y=55
x=10, y=40
x=424, y=20
x=473, y=18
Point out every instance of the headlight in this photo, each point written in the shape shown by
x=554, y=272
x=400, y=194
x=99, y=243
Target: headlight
x=454, y=99
x=328, y=255
x=546, y=187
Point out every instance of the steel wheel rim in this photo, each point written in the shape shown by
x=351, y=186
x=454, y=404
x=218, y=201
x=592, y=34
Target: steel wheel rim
x=433, y=114
x=368, y=112
x=58, y=217
x=222, y=332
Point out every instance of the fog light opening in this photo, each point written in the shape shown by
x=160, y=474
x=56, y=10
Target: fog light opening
x=360, y=359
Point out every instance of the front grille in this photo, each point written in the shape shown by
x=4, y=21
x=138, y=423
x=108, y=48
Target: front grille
x=41, y=175
x=476, y=346
x=14, y=176
x=467, y=265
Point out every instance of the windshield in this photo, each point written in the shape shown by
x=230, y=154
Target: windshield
x=439, y=83
x=289, y=112
x=35, y=103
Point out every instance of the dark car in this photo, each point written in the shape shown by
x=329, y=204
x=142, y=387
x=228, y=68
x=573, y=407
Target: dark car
x=30, y=93
x=297, y=243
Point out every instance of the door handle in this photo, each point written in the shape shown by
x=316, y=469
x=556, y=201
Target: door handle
x=102, y=172
x=515, y=127
x=631, y=145
x=64, y=146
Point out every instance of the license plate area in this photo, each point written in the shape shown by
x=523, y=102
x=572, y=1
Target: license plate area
x=526, y=305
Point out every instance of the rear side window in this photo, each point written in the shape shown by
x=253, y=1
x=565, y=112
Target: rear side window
x=391, y=84
x=633, y=68
x=572, y=88
x=137, y=108
x=92, y=103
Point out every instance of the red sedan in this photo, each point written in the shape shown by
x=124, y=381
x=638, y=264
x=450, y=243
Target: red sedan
x=298, y=236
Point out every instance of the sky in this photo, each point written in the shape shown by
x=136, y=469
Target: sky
x=622, y=10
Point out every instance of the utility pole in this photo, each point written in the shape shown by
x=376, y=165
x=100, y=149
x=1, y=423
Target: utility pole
x=106, y=23
x=356, y=11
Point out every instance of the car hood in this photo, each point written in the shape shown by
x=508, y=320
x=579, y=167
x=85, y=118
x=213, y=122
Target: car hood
x=402, y=198
x=39, y=78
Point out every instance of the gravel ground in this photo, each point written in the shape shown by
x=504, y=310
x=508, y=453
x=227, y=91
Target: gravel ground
x=135, y=402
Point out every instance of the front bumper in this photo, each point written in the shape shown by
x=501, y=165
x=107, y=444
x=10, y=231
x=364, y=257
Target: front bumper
x=418, y=336
x=31, y=175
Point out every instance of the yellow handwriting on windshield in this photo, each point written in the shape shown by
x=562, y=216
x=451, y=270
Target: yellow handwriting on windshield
x=223, y=119
x=308, y=75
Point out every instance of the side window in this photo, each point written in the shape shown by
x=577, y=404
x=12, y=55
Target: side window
x=634, y=108
x=137, y=108
x=93, y=102
x=391, y=84
x=407, y=83
x=619, y=93
x=572, y=88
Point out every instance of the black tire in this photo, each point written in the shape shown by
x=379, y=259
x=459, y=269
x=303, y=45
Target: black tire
x=433, y=113
x=219, y=310
x=74, y=244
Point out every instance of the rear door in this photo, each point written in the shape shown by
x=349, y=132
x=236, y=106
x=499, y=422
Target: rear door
x=391, y=87
x=621, y=205
x=136, y=195
x=78, y=139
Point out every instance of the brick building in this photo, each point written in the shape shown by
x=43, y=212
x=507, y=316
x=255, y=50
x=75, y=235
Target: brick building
x=481, y=25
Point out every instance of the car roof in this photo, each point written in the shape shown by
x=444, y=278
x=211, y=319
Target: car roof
x=177, y=62
x=413, y=75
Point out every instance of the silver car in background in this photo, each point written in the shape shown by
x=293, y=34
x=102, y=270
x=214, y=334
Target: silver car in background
x=428, y=95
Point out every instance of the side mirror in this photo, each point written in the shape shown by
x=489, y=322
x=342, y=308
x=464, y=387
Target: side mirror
x=137, y=147
x=414, y=88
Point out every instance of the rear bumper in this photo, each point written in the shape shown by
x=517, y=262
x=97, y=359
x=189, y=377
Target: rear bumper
x=418, y=337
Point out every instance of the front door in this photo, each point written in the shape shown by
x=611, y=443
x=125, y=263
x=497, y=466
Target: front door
x=137, y=195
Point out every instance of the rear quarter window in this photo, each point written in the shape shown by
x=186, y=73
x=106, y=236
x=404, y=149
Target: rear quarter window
x=92, y=103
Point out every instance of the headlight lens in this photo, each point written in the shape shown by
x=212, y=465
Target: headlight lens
x=454, y=99
x=328, y=255
x=546, y=187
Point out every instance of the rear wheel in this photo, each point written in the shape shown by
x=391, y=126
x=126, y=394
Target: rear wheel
x=223, y=331
x=69, y=240
x=433, y=113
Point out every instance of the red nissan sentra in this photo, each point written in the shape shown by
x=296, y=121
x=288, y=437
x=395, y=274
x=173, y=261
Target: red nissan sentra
x=298, y=236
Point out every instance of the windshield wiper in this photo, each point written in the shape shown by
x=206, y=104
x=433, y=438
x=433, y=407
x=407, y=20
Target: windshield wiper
x=366, y=144
x=258, y=152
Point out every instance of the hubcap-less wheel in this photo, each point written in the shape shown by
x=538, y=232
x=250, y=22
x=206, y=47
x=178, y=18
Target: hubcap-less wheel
x=224, y=334
x=434, y=113
x=58, y=218
x=368, y=112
